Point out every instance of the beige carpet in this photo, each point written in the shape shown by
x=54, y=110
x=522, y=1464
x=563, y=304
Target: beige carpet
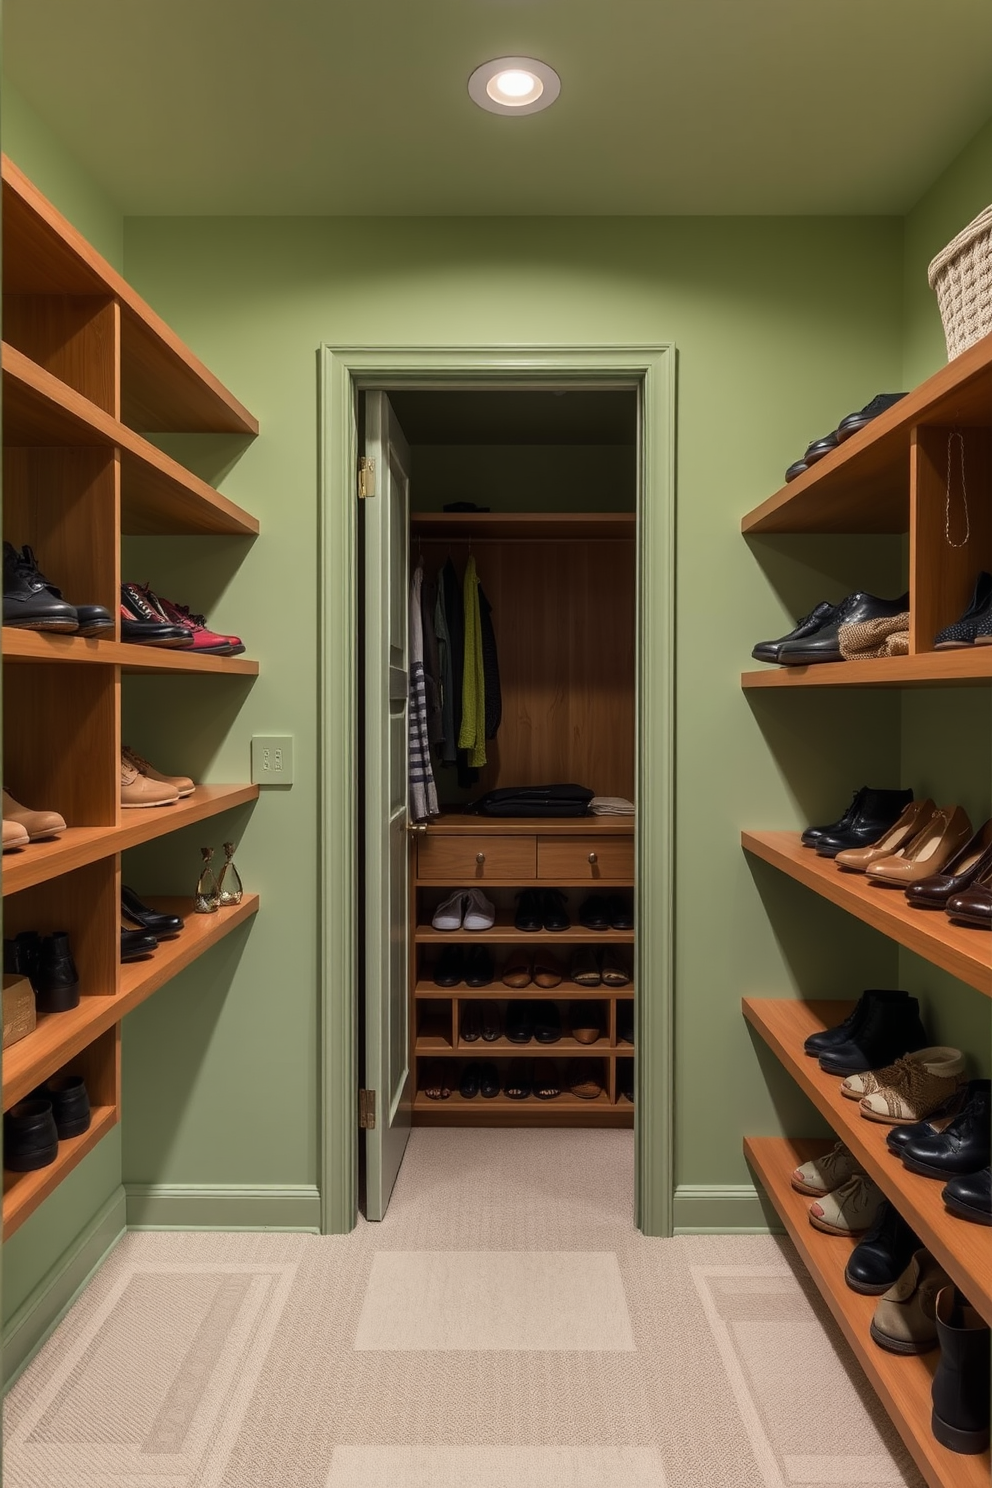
x=505, y=1327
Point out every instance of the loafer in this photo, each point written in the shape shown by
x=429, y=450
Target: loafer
x=819, y=616
x=970, y=1196
x=471, y=1025
x=137, y=944
x=530, y=911
x=30, y=1137
x=852, y=422
x=70, y=1103
x=621, y=912
x=517, y=972
x=548, y=970
x=450, y=968
x=594, y=912
x=547, y=1022
x=479, y=967
x=585, y=1078
x=967, y=865
x=905, y=1320
x=55, y=978
x=492, y=1027
x=586, y=1022
x=796, y=468
x=470, y=1080
x=554, y=914
x=849, y=1210
x=519, y=1022
x=488, y=1080
x=817, y=448
x=825, y=644
x=882, y=1255
x=162, y=926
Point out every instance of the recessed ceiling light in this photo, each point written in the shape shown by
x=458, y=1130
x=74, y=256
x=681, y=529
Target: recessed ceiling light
x=514, y=85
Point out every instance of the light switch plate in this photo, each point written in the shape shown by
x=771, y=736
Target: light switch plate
x=272, y=759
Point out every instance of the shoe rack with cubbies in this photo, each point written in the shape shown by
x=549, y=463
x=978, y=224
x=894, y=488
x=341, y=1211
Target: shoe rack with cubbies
x=503, y=857
x=891, y=477
x=88, y=368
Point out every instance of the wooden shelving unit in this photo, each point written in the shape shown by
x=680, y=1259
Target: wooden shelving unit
x=86, y=365
x=902, y=1382
x=963, y=951
x=505, y=933
x=968, y=668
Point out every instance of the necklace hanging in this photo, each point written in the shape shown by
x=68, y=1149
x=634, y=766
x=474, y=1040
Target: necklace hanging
x=956, y=434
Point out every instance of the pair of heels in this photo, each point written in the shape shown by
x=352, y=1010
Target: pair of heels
x=921, y=844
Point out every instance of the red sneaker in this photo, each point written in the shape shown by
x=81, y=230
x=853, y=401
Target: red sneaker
x=206, y=642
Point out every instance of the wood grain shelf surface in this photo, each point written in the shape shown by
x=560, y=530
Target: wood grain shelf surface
x=35, y=646
x=158, y=495
x=566, y=1110
x=970, y=667
x=436, y=1044
x=963, y=1249
x=863, y=485
x=497, y=992
x=164, y=386
x=504, y=932
x=77, y=846
x=456, y=824
x=902, y=1382
x=23, y=1192
x=59, y=1037
x=529, y=526
x=964, y=952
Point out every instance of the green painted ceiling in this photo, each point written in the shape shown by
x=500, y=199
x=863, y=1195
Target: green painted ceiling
x=667, y=106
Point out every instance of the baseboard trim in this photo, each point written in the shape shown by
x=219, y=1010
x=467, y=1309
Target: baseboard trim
x=41, y=1312
x=225, y=1206
x=723, y=1209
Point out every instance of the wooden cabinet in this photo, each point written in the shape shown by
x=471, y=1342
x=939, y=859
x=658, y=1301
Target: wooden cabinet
x=479, y=858
x=592, y=859
x=88, y=369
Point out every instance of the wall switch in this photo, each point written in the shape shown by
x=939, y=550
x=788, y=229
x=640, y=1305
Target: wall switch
x=272, y=760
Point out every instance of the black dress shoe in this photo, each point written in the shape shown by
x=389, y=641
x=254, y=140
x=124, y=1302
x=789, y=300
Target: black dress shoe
x=621, y=912
x=30, y=1138
x=820, y=447
x=94, y=621
x=812, y=835
x=855, y=421
x=70, y=1104
x=825, y=644
x=162, y=926
x=882, y=1255
x=471, y=1024
x=832, y=1038
x=891, y=1029
x=530, y=911
x=897, y=1136
x=798, y=467
x=594, y=912
x=56, y=980
x=554, y=915
x=136, y=944
x=142, y=625
x=962, y=633
x=488, y=1080
x=30, y=602
x=450, y=968
x=519, y=1024
x=821, y=615
x=962, y=1147
x=470, y=1080
x=878, y=812
x=547, y=1022
x=970, y=1197
x=492, y=1025
x=480, y=967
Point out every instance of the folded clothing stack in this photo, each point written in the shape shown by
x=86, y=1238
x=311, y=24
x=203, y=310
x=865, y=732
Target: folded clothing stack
x=534, y=800
x=611, y=806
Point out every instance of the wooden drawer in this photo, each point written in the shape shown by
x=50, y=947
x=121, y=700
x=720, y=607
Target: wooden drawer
x=592, y=858
x=458, y=859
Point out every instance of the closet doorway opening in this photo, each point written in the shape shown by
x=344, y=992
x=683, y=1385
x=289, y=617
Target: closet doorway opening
x=509, y=600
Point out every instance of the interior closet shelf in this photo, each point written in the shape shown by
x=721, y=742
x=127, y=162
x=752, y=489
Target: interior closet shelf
x=505, y=933
x=23, y=1192
x=158, y=495
x=901, y=1381
x=501, y=1111
x=504, y=1048
x=496, y=992
x=557, y=526
x=863, y=485
x=77, y=846
x=963, y=1249
x=929, y=669
x=455, y=824
x=33, y=645
x=163, y=385
x=964, y=952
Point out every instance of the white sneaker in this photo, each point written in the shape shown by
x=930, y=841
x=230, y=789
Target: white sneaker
x=480, y=913
x=448, y=915
x=821, y=1175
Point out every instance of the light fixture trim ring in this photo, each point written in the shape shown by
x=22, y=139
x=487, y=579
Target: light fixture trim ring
x=484, y=78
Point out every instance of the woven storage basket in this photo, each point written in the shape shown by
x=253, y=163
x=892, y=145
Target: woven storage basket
x=962, y=277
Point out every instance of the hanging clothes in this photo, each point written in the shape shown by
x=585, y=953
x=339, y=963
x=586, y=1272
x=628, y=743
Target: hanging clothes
x=454, y=614
x=472, y=732
x=423, y=793
x=490, y=668
x=432, y=663
x=449, y=738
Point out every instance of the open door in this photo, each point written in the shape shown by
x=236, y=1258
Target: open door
x=385, y=748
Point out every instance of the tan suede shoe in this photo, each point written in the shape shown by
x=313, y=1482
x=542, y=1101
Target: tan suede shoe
x=14, y=835
x=914, y=1089
x=913, y=819
x=138, y=790
x=36, y=823
x=905, y=1318
x=182, y=783
x=850, y=1209
x=943, y=836
x=821, y=1175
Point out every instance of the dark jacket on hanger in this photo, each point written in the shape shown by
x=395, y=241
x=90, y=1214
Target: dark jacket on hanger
x=490, y=667
x=432, y=665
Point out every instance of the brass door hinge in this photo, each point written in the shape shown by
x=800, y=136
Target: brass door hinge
x=366, y=478
x=366, y=1110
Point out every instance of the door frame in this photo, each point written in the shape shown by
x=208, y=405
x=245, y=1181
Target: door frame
x=345, y=372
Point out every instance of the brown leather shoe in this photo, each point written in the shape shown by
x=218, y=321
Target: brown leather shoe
x=967, y=866
x=37, y=824
x=585, y=1019
x=913, y=819
x=974, y=906
x=182, y=783
x=137, y=790
x=585, y=1078
x=548, y=970
x=517, y=971
x=939, y=841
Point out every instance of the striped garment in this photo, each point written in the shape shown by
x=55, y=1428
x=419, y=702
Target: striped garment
x=423, y=793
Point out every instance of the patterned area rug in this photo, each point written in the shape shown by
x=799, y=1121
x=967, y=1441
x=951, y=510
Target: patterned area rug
x=504, y=1327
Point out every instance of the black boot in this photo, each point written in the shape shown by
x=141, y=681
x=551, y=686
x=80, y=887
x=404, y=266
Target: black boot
x=812, y=835
x=891, y=1029
x=30, y=602
x=960, y=1389
x=878, y=812
x=963, y=1147
x=832, y=1038
x=882, y=1255
x=57, y=980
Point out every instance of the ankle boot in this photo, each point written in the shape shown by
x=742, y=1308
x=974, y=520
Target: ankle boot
x=20, y=955
x=891, y=1029
x=960, y=1389
x=877, y=812
x=57, y=980
x=832, y=1038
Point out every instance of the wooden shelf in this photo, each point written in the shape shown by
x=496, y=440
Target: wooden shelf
x=963, y=1249
x=435, y=1044
x=158, y=495
x=23, y=1192
x=504, y=932
x=34, y=646
x=497, y=992
x=863, y=485
x=59, y=1037
x=458, y=824
x=972, y=667
x=526, y=526
x=163, y=385
x=80, y=845
x=501, y=1111
x=901, y=1381
x=964, y=952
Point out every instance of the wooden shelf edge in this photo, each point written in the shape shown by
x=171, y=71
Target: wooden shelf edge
x=35, y=646
x=507, y=935
x=28, y=1190
x=454, y=824
x=958, y=1245
x=496, y=992
x=964, y=952
x=901, y=1382
x=495, y=526
x=928, y=669
x=81, y=845
x=60, y=1037
x=565, y=1048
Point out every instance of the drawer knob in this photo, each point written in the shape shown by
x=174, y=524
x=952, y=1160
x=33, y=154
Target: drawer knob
x=480, y=857
x=593, y=858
